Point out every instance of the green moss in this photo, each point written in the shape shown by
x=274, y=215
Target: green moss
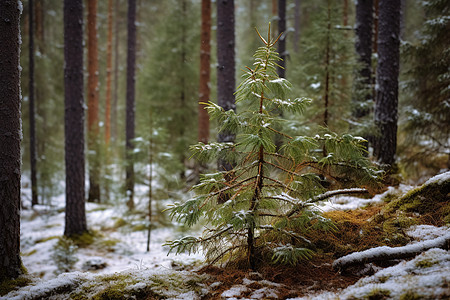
x=85, y=239
x=410, y=295
x=43, y=240
x=422, y=199
x=9, y=285
x=119, y=223
x=377, y=294
x=426, y=263
x=29, y=253
x=383, y=279
x=139, y=227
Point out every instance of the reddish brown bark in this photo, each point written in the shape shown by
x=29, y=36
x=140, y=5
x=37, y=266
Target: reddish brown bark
x=93, y=103
x=205, y=57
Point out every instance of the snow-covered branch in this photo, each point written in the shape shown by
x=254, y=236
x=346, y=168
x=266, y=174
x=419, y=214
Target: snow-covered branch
x=388, y=253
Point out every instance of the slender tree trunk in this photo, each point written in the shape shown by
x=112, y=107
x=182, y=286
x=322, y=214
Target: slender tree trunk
x=327, y=70
x=296, y=25
x=274, y=18
x=386, y=105
x=93, y=105
x=205, y=57
x=226, y=81
x=116, y=74
x=130, y=111
x=39, y=23
x=74, y=118
x=182, y=129
x=363, y=46
x=10, y=138
x=345, y=13
x=109, y=74
x=375, y=44
x=33, y=159
x=282, y=40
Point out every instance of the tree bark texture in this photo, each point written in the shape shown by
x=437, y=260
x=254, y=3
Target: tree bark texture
x=205, y=57
x=33, y=156
x=109, y=73
x=387, y=80
x=130, y=101
x=226, y=82
x=93, y=104
x=10, y=138
x=363, y=46
x=74, y=118
x=282, y=40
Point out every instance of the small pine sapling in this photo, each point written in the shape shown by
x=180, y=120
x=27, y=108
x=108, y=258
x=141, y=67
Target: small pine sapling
x=262, y=208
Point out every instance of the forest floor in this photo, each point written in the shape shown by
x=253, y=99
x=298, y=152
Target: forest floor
x=113, y=263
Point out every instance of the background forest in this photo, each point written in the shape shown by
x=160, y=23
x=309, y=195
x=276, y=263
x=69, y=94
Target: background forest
x=152, y=72
x=167, y=83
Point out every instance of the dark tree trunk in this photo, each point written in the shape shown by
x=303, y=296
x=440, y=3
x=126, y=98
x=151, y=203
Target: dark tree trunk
x=34, y=190
x=363, y=46
x=205, y=56
x=131, y=65
x=74, y=118
x=387, y=80
x=282, y=40
x=226, y=68
x=10, y=137
x=296, y=25
x=93, y=104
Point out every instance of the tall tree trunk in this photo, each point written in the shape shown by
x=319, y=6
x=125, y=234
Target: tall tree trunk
x=74, y=118
x=34, y=190
x=386, y=104
x=205, y=56
x=296, y=25
x=10, y=138
x=226, y=81
x=109, y=74
x=376, y=8
x=39, y=23
x=363, y=46
x=327, y=70
x=282, y=40
x=182, y=78
x=131, y=66
x=274, y=18
x=116, y=75
x=93, y=104
x=345, y=13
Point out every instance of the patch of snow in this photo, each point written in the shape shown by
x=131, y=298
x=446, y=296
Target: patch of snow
x=427, y=232
x=439, y=179
x=234, y=291
x=426, y=277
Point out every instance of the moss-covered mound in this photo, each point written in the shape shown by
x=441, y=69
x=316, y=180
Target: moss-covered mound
x=431, y=201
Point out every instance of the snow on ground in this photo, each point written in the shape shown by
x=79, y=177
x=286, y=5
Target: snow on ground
x=350, y=202
x=43, y=225
x=425, y=277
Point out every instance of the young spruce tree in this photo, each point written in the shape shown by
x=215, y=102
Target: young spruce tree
x=270, y=199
